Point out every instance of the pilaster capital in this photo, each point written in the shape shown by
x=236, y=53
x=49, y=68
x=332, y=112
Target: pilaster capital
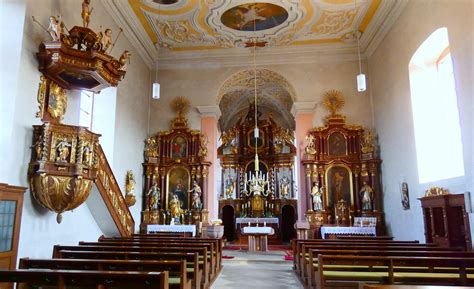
x=209, y=111
x=303, y=107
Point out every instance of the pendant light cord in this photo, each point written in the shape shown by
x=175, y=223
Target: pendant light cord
x=255, y=86
x=356, y=32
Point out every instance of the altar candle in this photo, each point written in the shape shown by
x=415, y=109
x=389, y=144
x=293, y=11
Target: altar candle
x=264, y=224
x=249, y=224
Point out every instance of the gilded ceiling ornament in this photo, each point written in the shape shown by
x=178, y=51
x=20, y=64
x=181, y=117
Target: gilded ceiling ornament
x=333, y=101
x=57, y=103
x=180, y=106
x=179, y=31
x=334, y=22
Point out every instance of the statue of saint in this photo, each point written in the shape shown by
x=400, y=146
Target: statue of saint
x=86, y=13
x=87, y=155
x=154, y=197
x=366, y=194
x=62, y=150
x=229, y=187
x=284, y=187
x=316, y=192
x=175, y=207
x=196, y=196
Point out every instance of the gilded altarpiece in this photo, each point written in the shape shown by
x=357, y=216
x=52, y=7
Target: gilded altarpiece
x=342, y=172
x=175, y=165
x=276, y=153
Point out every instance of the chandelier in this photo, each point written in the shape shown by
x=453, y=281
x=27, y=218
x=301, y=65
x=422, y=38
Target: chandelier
x=258, y=182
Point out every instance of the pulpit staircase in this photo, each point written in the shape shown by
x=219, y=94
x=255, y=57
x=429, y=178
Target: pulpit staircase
x=112, y=196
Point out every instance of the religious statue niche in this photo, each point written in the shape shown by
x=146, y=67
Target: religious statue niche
x=176, y=171
x=266, y=192
x=342, y=171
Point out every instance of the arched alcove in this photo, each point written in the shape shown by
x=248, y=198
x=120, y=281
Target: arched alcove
x=275, y=95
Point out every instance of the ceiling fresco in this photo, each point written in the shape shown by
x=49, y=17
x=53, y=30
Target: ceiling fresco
x=189, y=25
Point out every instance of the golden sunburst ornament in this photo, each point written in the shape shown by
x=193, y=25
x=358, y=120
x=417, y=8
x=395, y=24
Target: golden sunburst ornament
x=180, y=105
x=333, y=101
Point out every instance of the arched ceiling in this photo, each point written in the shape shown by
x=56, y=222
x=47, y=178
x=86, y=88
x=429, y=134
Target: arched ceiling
x=202, y=31
x=274, y=95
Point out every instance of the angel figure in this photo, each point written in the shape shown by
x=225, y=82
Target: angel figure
x=124, y=60
x=55, y=28
x=107, y=40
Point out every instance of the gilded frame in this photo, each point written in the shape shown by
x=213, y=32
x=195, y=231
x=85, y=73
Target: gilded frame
x=187, y=183
x=348, y=185
x=329, y=144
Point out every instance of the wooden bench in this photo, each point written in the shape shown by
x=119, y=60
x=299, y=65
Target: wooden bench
x=359, y=237
x=310, y=274
x=192, y=260
x=84, y=279
x=378, y=286
x=392, y=270
x=177, y=273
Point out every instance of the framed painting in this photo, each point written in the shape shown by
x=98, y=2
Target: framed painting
x=254, y=16
x=178, y=147
x=405, y=196
x=339, y=185
x=337, y=144
x=178, y=182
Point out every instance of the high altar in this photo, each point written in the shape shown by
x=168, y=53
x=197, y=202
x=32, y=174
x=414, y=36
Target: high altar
x=270, y=191
x=342, y=172
x=176, y=171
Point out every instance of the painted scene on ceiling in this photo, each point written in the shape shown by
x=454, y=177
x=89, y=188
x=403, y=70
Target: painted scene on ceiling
x=265, y=16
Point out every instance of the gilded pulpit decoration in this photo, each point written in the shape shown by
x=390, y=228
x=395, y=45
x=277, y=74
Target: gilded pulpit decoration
x=130, y=197
x=436, y=191
x=60, y=176
x=42, y=90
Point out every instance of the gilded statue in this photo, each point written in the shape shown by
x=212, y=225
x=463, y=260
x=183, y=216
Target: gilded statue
x=310, y=146
x=57, y=103
x=154, y=194
x=316, y=193
x=86, y=13
x=196, y=192
x=341, y=211
x=367, y=144
x=436, y=191
x=130, y=182
x=107, y=40
x=43, y=85
x=175, y=207
x=366, y=193
x=284, y=187
x=62, y=150
x=38, y=147
x=87, y=155
x=124, y=60
x=229, y=187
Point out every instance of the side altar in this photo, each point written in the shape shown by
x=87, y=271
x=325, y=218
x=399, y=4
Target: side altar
x=175, y=174
x=342, y=172
x=263, y=191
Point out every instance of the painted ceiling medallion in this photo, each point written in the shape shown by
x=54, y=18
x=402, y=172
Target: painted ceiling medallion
x=165, y=2
x=254, y=16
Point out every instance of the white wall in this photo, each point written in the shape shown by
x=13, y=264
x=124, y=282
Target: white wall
x=390, y=90
x=39, y=230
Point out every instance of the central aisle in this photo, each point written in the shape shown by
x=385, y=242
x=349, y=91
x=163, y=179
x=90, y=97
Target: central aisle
x=263, y=271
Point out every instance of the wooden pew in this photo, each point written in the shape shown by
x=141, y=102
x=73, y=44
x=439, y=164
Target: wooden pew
x=214, y=257
x=305, y=259
x=177, y=273
x=310, y=274
x=299, y=256
x=393, y=270
x=61, y=279
x=201, y=250
x=358, y=237
x=378, y=286
x=152, y=237
x=191, y=258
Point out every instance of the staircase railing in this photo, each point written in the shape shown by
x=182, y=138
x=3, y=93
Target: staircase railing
x=113, y=197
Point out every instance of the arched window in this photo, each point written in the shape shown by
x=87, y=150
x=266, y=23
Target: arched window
x=435, y=110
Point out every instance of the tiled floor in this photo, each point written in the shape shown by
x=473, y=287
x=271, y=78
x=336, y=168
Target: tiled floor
x=262, y=271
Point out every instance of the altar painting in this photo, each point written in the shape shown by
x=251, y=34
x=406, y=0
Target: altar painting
x=339, y=185
x=178, y=147
x=178, y=182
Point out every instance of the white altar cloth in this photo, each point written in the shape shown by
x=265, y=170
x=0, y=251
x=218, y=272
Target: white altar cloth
x=172, y=228
x=256, y=220
x=258, y=230
x=348, y=231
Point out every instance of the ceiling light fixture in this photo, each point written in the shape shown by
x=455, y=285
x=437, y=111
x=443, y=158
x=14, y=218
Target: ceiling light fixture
x=156, y=86
x=361, y=82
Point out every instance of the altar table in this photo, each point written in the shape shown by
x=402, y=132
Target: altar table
x=172, y=228
x=257, y=220
x=258, y=240
x=367, y=231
